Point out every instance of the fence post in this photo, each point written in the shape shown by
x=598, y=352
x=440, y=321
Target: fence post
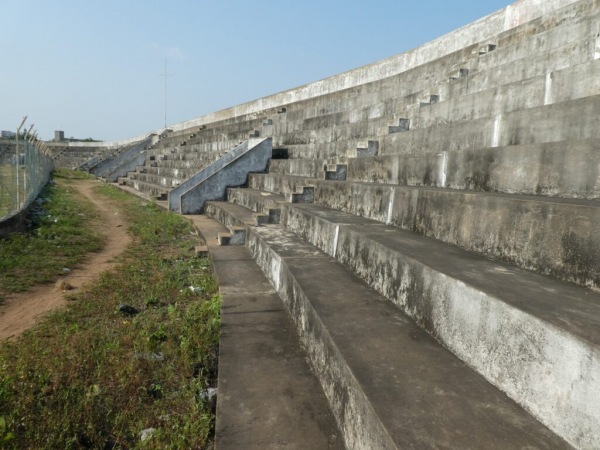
x=18, y=158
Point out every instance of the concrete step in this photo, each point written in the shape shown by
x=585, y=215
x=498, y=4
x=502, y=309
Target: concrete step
x=551, y=74
x=279, y=183
x=389, y=384
x=551, y=236
x=129, y=189
x=193, y=156
x=235, y=217
x=159, y=180
x=172, y=172
x=492, y=72
x=235, y=236
x=563, y=169
x=261, y=202
x=444, y=126
x=146, y=189
x=534, y=337
x=545, y=46
x=267, y=395
x=557, y=122
x=484, y=132
x=312, y=168
x=540, y=90
x=175, y=164
x=543, y=34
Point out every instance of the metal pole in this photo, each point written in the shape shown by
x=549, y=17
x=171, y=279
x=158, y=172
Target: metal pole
x=166, y=74
x=165, y=92
x=29, y=163
x=18, y=157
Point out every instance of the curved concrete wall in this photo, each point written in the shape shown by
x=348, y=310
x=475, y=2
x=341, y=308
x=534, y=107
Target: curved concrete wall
x=479, y=31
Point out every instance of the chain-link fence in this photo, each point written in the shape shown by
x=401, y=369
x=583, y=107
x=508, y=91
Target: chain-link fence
x=25, y=168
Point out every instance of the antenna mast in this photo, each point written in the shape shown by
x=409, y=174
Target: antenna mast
x=165, y=75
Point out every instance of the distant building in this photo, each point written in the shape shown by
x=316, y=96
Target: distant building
x=8, y=134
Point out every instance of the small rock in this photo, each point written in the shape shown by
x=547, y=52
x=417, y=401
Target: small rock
x=151, y=356
x=147, y=434
x=63, y=286
x=210, y=397
x=66, y=270
x=127, y=309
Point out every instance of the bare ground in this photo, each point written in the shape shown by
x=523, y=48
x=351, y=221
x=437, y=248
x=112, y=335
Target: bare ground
x=20, y=311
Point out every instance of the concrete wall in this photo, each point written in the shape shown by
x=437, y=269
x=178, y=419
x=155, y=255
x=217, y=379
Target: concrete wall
x=479, y=31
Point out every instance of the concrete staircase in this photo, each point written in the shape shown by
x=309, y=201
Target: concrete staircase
x=441, y=265
x=178, y=156
x=432, y=235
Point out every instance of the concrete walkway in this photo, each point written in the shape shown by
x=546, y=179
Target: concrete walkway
x=268, y=396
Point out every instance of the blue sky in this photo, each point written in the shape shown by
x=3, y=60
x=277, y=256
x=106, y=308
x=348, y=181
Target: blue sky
x=93, y=68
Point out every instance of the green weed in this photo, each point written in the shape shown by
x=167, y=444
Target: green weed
x=90, y=376
x=60, y=239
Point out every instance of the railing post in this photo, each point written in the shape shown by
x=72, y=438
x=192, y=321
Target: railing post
x=18, y=158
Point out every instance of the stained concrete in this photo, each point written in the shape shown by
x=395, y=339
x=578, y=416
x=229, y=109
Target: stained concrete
x=551, y=236
x=508, y=324
x=389, y=383
x=268, y=397
x=508, y=104
x=211, y=183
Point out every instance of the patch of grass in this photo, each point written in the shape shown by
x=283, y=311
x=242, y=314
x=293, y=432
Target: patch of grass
x=90, y=376
x=61, y=238
x=72, y=174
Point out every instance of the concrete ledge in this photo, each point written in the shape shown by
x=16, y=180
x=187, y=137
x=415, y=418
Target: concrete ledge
x=148, y=190
x=565, y=169
x=547, y=235
x=259, y=201
x=389, y=384
x=230, y=170
x=558, y=122
x=533, y=337
x=125, y=167
x=230, y=215
x=267, y=396
x=477, y=32
x=118, y=165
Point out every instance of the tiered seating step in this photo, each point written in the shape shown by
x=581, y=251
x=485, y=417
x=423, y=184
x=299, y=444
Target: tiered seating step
x=389, y=383
x=267, y=395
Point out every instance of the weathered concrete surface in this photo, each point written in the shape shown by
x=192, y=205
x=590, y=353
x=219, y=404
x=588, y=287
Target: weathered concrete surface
x=507, y=104
x=565, y=169
x=548, y=235
x=231, y=215
x=260, y=201
x=477, y=32
x=389, y=383
x=119, y=164
x=571, y=120
x=267, y=396
x=126, y=165
x=535, y=338
x=145, y=190
x=211, y=183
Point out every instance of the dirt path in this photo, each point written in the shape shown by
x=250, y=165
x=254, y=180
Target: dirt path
x=20, y=311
